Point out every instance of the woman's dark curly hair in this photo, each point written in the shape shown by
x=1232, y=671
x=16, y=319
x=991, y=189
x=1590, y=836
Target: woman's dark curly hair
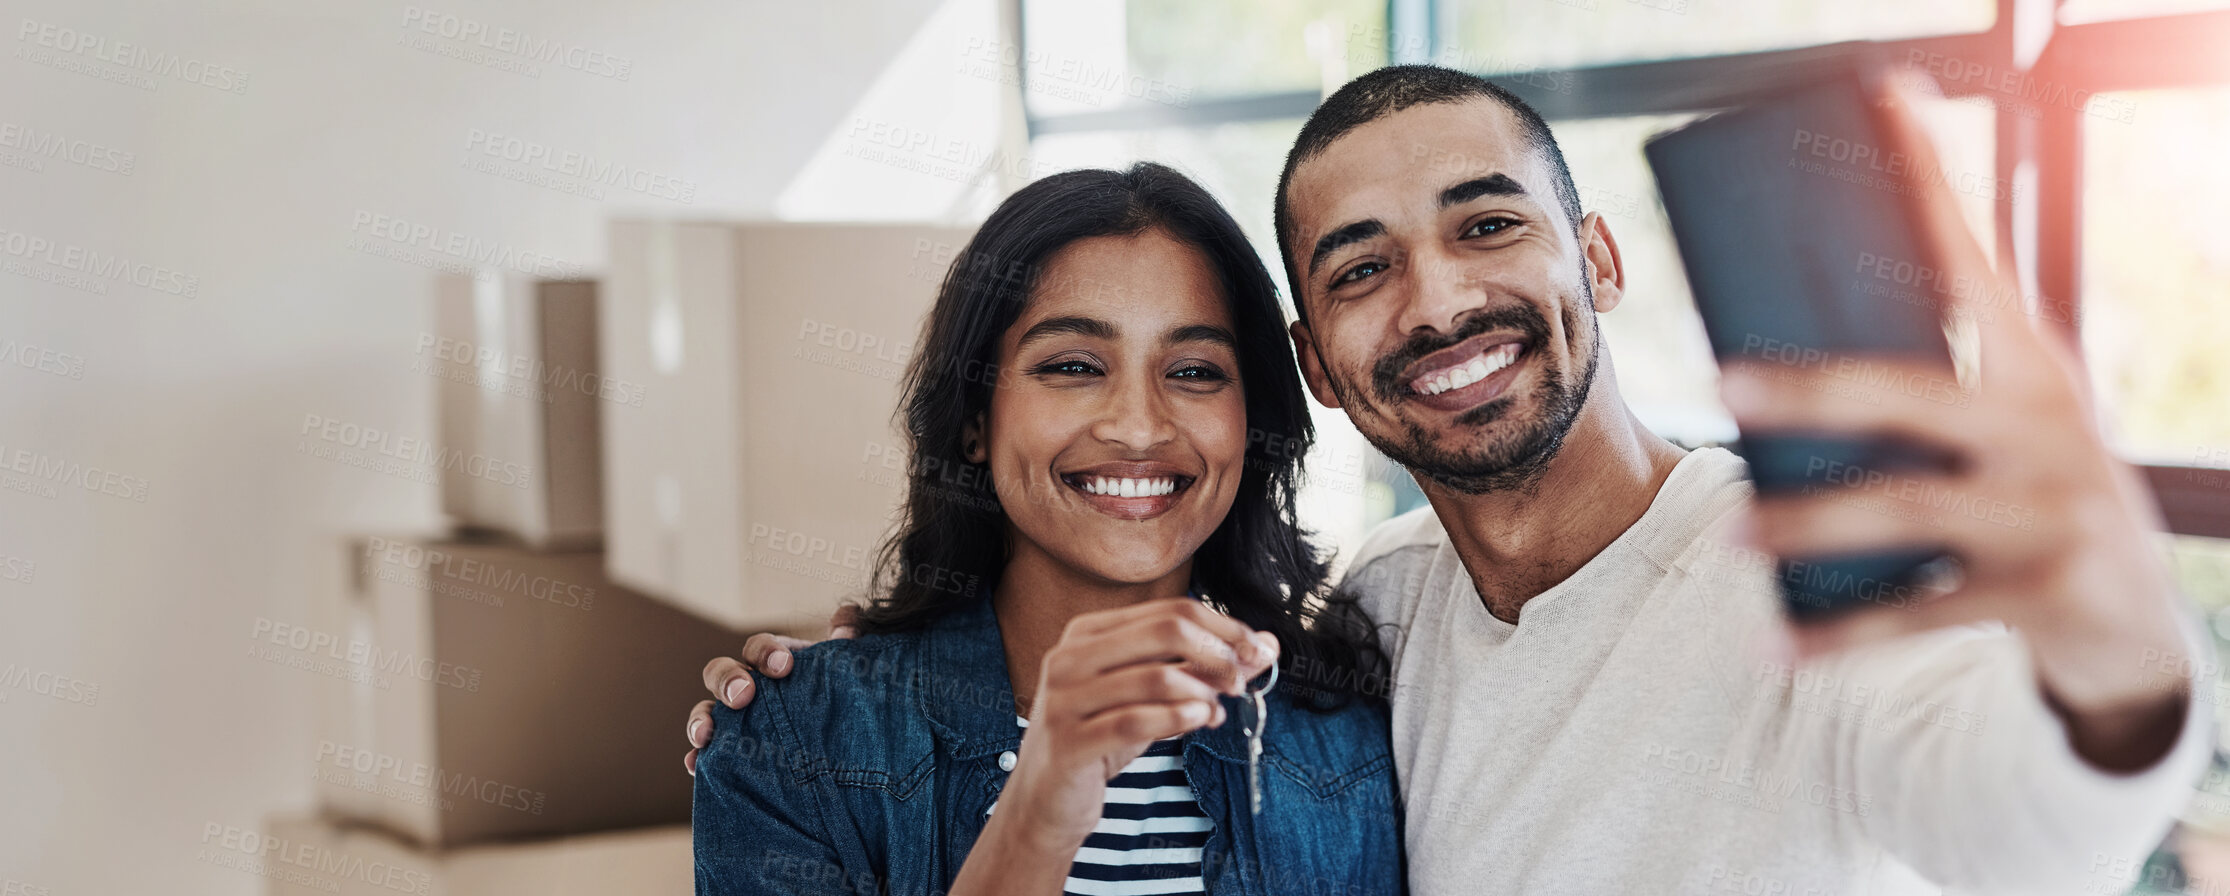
x=1258, y=565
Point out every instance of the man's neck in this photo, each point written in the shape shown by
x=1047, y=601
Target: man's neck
x=1520, y=542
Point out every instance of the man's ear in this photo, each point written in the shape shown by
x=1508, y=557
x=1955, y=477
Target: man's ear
x=975, y=443
x=1605, y=270
x=1312, y=367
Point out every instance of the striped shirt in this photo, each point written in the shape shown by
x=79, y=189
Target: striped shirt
x=1150, y=832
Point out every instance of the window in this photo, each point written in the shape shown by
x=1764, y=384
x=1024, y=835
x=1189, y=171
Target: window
x=2156, y=272
x=1088, y=55
x=2076, y=11
x=1506, y=37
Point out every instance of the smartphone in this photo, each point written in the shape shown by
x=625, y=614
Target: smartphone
x=1798, y=229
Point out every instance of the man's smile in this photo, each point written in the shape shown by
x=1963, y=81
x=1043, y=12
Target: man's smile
x=1467, y=374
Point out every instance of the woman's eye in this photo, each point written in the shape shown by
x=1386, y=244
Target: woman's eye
x=1358, y=272
x=1067, y=368
x=1200, y=372
x=1490, y=226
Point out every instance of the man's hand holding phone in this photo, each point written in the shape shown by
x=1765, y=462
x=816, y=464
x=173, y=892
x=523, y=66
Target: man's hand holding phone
x=2049, y=531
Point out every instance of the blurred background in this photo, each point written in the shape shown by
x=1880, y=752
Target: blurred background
x=399, y=403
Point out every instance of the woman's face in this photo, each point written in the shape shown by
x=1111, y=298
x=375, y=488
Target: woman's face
x=1117, y=432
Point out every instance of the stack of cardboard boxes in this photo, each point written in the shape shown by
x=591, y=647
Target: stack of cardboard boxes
x=640, y=470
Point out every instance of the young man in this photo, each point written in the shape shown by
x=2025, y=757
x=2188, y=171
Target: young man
x=1593, y=688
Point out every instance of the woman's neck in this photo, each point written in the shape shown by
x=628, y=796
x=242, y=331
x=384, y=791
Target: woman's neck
x=1038, y=595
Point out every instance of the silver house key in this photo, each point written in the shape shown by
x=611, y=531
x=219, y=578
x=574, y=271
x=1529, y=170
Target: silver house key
x=1258, y=716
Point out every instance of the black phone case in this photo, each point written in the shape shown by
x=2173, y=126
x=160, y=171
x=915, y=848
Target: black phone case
x=1798, y=236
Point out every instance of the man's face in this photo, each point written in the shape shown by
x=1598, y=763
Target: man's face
x=1451, y=311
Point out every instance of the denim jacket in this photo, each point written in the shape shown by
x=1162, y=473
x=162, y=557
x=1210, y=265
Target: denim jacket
x=869, y=769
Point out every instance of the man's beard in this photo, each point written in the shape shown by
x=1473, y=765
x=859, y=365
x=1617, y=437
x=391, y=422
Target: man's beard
x=1509, y=463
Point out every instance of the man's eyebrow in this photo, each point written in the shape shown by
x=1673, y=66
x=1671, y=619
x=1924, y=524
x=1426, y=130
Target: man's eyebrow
x=1203, y=333
x=1497, y=184
x=1343, y=237
x=1073, y=325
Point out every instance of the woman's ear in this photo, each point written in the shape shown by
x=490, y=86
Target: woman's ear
x=974, y=447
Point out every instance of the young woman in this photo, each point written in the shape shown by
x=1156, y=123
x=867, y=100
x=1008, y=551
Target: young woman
x=1098, y=553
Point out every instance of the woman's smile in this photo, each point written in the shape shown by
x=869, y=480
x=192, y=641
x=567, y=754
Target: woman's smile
x=1130, y=491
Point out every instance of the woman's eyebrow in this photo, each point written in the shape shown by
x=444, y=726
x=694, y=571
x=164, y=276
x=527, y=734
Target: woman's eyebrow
x=1073, y=325
x=1203, y=333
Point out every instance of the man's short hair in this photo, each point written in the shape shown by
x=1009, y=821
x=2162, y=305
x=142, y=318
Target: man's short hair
x=1389, y=90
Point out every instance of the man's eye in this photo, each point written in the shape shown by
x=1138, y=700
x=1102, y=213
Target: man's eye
x=1358, y=272
x=1490, y=226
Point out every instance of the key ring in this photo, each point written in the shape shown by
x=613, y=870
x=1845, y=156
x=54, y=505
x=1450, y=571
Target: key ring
x=1273, y=682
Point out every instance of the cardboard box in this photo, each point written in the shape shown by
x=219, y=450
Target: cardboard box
x=305, y=856
x=760, y=474
x=477, y=692
x=520, y=397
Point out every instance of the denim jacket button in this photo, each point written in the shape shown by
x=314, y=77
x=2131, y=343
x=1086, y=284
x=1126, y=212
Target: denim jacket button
x=1006, y=761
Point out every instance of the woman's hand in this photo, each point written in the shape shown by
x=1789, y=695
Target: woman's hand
x=1116, y=682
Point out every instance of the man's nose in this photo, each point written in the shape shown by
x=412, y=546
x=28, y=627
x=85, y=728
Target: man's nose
x=1440, y=290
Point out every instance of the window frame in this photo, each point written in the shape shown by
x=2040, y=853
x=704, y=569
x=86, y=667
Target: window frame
x=2044, y=138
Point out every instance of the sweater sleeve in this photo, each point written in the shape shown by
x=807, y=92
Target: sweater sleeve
x=759, y=827
x=1969, y=777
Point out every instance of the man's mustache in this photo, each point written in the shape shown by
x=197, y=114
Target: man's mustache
x=1387, y=379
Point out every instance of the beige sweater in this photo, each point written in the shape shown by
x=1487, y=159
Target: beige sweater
x=1627, y=737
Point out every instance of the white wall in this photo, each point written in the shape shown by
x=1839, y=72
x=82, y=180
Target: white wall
x=141, y=717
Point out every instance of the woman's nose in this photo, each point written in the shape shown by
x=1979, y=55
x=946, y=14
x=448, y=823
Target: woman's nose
x=1137, y=416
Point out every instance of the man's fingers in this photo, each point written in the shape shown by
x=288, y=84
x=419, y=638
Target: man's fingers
x=844, y=623
x=729, y=682
x=1876, y=624
x=1849, y=394
x=769, y=654
x=700, y=724
x=689, y=762
x=1871, y=509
